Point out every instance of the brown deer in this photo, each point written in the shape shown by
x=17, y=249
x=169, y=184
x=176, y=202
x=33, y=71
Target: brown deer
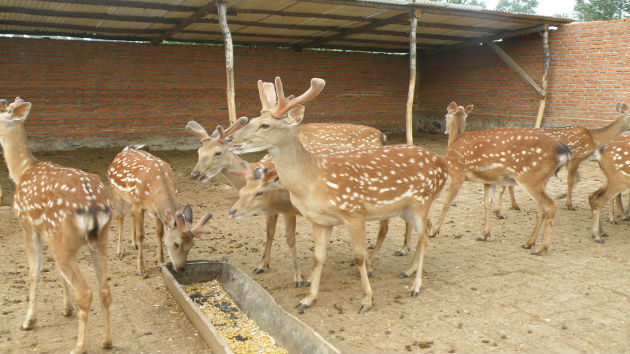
x=345, y=187
x=583, y=142
x=70, y=209
x=619, y=204
x=614, y=160
x=503, y=156
x=143, y=183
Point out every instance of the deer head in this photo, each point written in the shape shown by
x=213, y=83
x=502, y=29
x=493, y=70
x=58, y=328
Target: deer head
x=266, y=130
x=456, y=120
x=179, y=237
x=213, y=154
x=260, y=194
x=11, y=114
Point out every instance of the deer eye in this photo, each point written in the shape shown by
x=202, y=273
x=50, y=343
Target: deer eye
x=259, y=194
x=218, y=153
x=176, y=245
x=264, y=126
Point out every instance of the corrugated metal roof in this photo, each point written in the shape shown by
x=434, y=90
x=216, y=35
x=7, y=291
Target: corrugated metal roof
x=343, y=24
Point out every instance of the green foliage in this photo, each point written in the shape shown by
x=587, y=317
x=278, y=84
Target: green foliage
x=521, y=6
x=601, y=10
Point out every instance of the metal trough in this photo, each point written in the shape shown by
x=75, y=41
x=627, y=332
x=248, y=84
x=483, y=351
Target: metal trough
x=288, y=331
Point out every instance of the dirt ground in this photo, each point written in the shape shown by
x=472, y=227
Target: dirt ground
x=488, y=296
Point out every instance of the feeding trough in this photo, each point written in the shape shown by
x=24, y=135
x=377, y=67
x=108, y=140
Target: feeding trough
x=288, y=331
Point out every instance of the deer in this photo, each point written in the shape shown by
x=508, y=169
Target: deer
x=619, y=203
x=345, y=187
x=583, y=142
x=614, y=160
x=142, y=182
x=523, y=156
x=67, y=207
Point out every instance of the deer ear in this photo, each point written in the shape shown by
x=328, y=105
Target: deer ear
x=622, y=108
x=469, y=108
x=451, y=107
x=188, y=214
x=169, y=219
x=20, y=110
x=295, y=115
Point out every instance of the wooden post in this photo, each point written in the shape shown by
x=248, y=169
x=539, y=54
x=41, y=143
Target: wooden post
x=229, y=58
x=512, y=64
x=413, y=14
x=547, y=59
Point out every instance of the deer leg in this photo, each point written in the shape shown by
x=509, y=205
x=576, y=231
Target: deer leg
x=289, y=227
x=497, y=205
x=597, y=200
x=417, y=217
x=513, y=204
x=405, y=247
x=382, y=232
x=272, y=221
x=138, y=223
x=546, y=213
x=34, y=254
x=454, y=185
x=356, y=228
x=488, y=193
x=320, y=236
x=159, y=229
x=119, y=207
x=572, y=178
x=67, y=301
x=99, y=261
x=65, y=257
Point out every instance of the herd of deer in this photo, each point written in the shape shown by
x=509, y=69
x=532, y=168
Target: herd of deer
x=331, y=174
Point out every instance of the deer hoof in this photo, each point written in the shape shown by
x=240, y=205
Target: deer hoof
x=107, y=344
x=414, y=293
x=399, y=253
x=121, y=254
x=307, y=283
x=570, y=207
x=614, y=222
x=134, y=246
x=141, y=273
x=28, y=324
x=67, y=311
x=364, y=308
x=604, y=234
x=538, y=252
x=483, y=238
x=298, y=283
x=515, y=208
x=258, y=270
x=435, y=234
x=526, y=246
x=302, y=306
x=599, y=240
x=405, y=275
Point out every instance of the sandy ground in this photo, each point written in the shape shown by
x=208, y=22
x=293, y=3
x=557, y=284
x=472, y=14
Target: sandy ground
x=476, y=297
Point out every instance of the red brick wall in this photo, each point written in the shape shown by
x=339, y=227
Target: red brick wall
x=589, y=73
x=84, y=90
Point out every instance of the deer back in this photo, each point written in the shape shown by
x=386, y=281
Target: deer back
x=578, y=139
x=495, y=154
x=340, y=136
x=48, y=195
x=140, y=177
x=614, y=158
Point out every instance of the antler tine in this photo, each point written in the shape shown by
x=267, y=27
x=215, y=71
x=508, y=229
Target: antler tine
x=283, y=106
x=196, y=129
x=270, y=174
x=199, y=229
x=270, y=93
x=234, y=127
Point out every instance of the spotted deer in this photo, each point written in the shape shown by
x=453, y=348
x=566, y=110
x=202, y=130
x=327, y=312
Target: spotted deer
x=614, y=160
x=618, y=203
x=583, y=142
x=345, y=187
x=525, y=156
x=70, y=209
x=143, y=183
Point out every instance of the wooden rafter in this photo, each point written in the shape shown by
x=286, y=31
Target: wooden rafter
x=38, y=24
x=514, y=66
x=211, y=7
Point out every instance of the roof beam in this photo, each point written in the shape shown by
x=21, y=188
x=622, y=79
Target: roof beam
x=355, y=30
x=90, y=15
x=128, y=4
x=202, y=12
x=89, y=29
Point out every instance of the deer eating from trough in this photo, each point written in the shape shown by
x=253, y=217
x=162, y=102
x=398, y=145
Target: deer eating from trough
x=345, y=187
x=143, y=183
x=614, y=160
x=583, y=142
x=525, y=156
x=67, y=207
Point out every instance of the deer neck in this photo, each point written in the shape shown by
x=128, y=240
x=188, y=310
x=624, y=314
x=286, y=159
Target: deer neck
x=164, y=199
x=16, y=152
x=297, y=168
x=455, y=130
x=236, y=181
x=603, y=135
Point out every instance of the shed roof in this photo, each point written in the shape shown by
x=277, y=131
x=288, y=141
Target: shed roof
x=375, y=25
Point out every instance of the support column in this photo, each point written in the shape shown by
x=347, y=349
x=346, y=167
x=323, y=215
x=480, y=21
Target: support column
x=229, y=58
x=413, y=14
x=547, y=59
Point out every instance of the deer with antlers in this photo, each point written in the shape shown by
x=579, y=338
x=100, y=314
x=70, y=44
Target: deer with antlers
x=143, y=183
x=614, y=160
x=70, y=209
x=345, y=187
x=499, y=156
x=583, y=142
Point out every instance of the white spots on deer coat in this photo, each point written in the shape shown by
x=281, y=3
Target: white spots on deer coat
x=44, y=196
x=340, y=136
